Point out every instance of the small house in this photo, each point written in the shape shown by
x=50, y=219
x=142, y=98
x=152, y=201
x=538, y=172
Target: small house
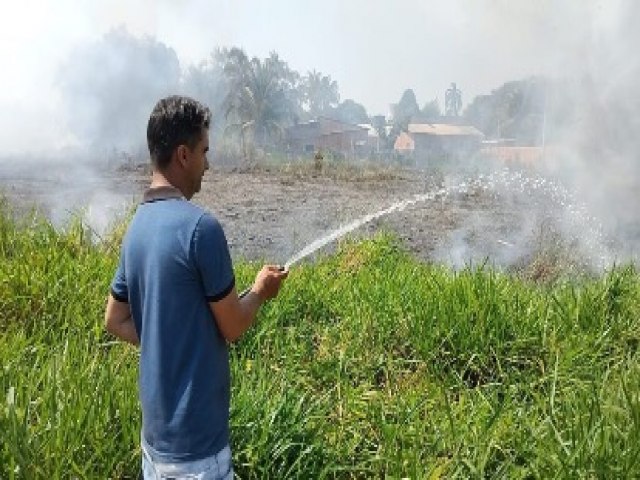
x=444, y=139
x=327, y=135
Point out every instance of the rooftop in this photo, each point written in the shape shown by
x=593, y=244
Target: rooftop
x=444, y=129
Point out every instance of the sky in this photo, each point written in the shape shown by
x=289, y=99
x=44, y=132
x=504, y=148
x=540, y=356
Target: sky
x=374, y=49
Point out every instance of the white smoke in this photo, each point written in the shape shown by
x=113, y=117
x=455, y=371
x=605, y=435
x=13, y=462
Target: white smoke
x=110, y=86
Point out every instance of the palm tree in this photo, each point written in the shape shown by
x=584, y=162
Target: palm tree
x=259, y=100
x=320, y=93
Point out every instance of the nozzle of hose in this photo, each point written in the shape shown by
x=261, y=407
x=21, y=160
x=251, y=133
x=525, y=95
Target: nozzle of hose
x=246, y=291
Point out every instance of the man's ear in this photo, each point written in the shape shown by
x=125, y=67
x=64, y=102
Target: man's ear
x=182, y=154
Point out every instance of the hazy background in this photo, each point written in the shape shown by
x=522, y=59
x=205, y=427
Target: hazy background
x=80, y=78
x=373, y=49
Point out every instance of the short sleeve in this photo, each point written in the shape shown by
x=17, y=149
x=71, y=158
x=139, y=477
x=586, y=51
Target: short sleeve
x=119, y=289
x=213, y=260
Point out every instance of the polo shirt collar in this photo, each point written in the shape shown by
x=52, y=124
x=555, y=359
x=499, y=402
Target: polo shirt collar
x=165, y=192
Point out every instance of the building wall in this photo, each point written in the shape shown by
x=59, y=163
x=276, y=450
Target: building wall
x=327, y=135
x=517, y=156
x=344, y=142
x=445, y=144
x=303, y=138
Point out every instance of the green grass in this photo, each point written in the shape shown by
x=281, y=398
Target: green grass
x=369, y=364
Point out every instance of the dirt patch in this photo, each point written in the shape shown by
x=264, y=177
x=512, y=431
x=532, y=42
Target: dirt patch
x=272, y=213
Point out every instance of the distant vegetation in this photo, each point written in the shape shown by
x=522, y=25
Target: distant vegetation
x=110, y=86
x=525, y=110
x=369, y=365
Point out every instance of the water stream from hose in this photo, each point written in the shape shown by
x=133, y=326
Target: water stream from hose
x=514, y=181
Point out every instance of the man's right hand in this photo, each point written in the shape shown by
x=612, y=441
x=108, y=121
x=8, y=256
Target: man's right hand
x=235, y=315
x=268, y=281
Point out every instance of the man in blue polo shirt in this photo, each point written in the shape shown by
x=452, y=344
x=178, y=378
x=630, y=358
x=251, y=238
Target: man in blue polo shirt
x=174, y=295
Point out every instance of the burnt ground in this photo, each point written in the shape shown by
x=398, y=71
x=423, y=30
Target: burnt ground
x=273, y=214
x=270, y=213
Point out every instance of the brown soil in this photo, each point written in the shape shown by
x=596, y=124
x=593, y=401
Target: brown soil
x=271, y=213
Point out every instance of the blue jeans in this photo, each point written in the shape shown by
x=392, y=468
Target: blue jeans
x=215, y=467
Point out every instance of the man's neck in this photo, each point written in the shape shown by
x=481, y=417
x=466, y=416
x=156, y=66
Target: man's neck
x=158, y=179
x=165, y=179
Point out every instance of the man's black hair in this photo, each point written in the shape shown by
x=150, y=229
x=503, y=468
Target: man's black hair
x=175, y=121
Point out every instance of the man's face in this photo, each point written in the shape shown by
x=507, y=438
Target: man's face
x=198, y=162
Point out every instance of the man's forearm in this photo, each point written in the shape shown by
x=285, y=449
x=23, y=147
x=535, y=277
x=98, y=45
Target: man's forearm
x=124, y=330
x=250, y=304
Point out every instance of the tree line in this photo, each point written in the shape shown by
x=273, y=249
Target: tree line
x=109, y=86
